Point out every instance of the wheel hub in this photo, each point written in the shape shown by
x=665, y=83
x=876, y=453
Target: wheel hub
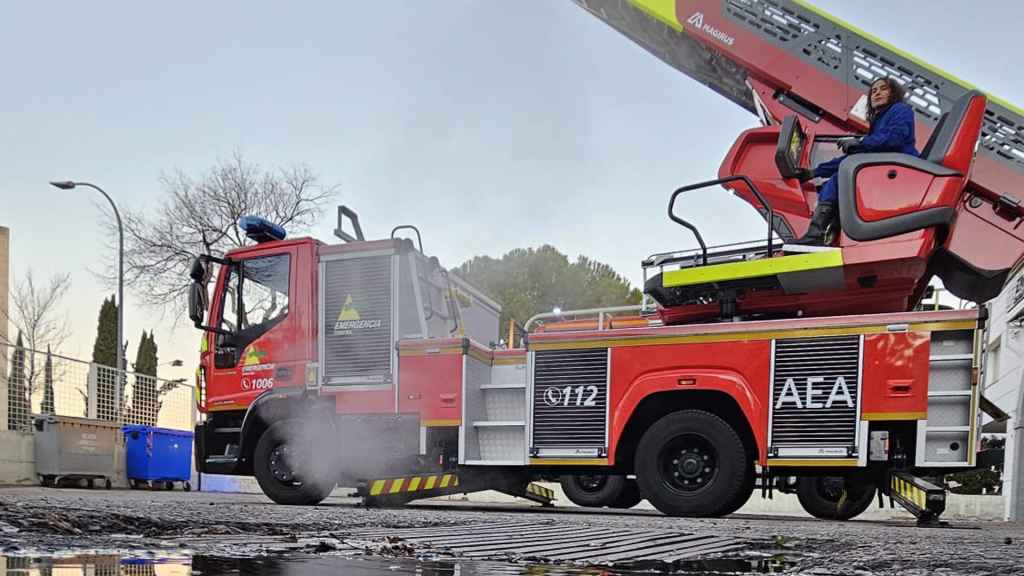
x=280, y=465
x=592, y=483
x=689, y=463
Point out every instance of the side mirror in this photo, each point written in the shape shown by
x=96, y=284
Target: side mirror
x=198, y=272
x=197, y=303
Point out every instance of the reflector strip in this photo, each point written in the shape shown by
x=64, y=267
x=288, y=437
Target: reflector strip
x=752, y=268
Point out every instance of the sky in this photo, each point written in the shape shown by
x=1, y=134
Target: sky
x=490, y=125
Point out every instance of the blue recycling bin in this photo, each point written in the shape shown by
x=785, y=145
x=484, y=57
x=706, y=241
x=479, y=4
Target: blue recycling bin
x=158, y=456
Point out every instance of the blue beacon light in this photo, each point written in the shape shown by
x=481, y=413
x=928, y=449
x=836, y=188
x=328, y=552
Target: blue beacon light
x=260, y=229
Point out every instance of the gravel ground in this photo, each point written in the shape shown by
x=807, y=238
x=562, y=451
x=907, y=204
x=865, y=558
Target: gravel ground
x=36, y=521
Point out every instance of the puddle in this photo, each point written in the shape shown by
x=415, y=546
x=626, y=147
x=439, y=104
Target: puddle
x=118, y=565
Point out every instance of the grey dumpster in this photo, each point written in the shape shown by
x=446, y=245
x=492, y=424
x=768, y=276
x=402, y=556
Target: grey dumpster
x=75, y=448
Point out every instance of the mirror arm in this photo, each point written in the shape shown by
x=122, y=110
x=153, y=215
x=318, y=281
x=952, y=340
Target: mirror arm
x=214, y=329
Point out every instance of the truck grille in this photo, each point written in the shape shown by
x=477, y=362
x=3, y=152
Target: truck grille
x=570, y=399
x=356, y=321
x=811, y=407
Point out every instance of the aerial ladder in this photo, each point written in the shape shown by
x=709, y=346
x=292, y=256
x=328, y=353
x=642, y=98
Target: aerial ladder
x=954, y=213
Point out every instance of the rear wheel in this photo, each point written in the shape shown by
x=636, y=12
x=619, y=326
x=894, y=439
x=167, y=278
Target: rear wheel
x=629, y=497
x=692, y=463
x=287, y=470
x=835, y=497
x=593, y=491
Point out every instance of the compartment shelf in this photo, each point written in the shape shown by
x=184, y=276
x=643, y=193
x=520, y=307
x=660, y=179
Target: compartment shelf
x=498, y=423
x=502, y=386
x=494, y=462
x=950, y=393
x=950, y=357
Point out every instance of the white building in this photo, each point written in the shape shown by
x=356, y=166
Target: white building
x=5, y=236
x=1004, y=383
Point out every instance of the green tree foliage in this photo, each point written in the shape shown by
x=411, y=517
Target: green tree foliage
x=104, y=353
x=533, y=280
x=145, y=404
x=48, y=404
x=104, y=350
x=18, y=407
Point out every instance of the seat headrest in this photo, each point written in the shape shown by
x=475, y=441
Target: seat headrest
x=946, y=129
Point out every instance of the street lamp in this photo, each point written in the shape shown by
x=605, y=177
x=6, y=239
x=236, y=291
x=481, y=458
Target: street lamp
x=69, y=185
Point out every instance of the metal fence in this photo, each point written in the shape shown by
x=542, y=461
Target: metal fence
x=37, y=383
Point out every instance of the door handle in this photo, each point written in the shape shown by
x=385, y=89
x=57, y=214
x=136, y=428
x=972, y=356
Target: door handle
x=447, y=398
x=283, y=373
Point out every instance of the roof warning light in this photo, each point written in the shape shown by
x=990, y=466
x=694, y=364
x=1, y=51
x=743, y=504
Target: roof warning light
x=261, y=230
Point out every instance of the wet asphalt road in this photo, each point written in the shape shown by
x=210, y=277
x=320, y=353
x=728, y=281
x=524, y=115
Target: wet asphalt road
x=40, y=522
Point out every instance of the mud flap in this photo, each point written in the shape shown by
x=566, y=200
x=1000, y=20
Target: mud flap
x=924, y=500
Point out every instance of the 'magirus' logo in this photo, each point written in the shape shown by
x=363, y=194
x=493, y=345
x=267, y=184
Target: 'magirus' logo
x=697, y=20
x=350, y=320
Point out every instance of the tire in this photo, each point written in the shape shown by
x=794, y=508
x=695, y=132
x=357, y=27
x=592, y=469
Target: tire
x=744, y=494
x=275, y=476
x=629, y=497
x=692, y=463
x=593, y=491
x=187, y=486
x=108, y=484
x=835, y=497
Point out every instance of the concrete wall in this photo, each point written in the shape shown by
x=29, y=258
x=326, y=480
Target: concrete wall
x=1004, y=379
x=17, y=458
x=5, y=236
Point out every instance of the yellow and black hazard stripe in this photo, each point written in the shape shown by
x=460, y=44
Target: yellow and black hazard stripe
x=920, y=497
x=909, y=492
x=539, y=491
x=408, y=484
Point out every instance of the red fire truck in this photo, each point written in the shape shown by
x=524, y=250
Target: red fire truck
x=368, y=364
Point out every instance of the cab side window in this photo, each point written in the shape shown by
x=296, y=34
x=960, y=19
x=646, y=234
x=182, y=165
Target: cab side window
x=256, y=298
x=264, y=291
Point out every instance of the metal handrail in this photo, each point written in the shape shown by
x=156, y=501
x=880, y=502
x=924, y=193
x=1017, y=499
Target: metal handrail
x=692, y=228
x=599, y=311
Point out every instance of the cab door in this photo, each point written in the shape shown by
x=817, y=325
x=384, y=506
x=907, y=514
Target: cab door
x=263, y=343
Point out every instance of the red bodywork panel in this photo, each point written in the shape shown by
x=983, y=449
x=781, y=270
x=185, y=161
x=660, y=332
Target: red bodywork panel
x=735, y=359
x=895, y=375
x=739, y=369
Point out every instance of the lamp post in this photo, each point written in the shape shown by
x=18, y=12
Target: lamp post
x=69, y=185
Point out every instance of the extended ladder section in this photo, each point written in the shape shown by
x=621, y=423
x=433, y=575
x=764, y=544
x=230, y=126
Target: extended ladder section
x=785, y=58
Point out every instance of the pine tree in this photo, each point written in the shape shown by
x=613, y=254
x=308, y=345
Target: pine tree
x=145, y=403
x=104, y=353
x=48, y=403
x=104, y=350
x=18, y=407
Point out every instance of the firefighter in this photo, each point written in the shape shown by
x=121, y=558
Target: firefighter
x=891, y=123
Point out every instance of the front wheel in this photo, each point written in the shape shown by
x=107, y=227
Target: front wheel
x=835, y=497
x=286, y=470
x=692, y=463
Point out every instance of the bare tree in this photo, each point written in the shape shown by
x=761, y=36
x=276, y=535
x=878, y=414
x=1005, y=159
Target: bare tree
x=35, y=312
x=200, y=216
